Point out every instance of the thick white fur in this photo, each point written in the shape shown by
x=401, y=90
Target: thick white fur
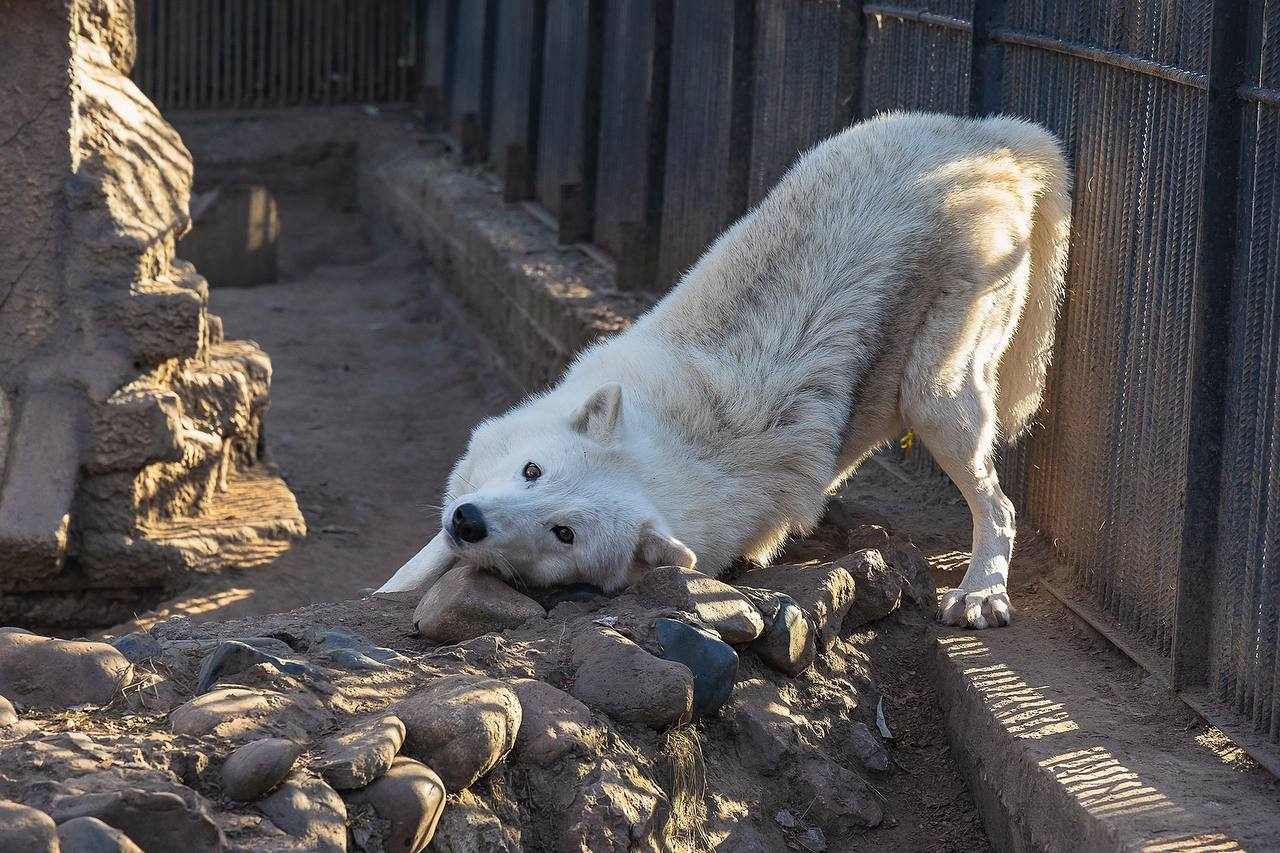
x=904, y=274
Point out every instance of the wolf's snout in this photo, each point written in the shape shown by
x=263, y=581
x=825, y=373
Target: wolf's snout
x=468, y=523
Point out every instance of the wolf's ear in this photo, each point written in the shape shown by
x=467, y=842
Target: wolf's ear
x=598, y=417
x=656, y=548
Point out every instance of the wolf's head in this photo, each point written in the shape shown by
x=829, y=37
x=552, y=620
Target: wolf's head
x=545, y=497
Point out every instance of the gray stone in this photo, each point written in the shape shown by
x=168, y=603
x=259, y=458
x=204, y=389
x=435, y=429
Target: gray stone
x=552, y=723
x=153, y=820
x=410, y=797
x=470, y=826
x=257, y=767
x=901, y=554
x=713, y=663
x=242, y=713
x=461, y=726
x=26, y=830
x=340, y=647
x=837, y=799
x=717, y=604
x=878, y=588
x=764, y=729
x=814, y=840
x=468, y=602
x=39, y=671
x=614, y=811
x=233, y=656
x=868, y=748
x=787, y=643
x=618, y=678
x=138, y=646
x=8, y=716
x=310, y=811
x=90, y=835
x=825, y=592
x=355, y=758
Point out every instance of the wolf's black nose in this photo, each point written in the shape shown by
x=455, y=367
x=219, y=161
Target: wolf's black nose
x=468, y=523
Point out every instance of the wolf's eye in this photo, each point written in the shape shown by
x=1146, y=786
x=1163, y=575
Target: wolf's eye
x=564, y=534
x=532, y=472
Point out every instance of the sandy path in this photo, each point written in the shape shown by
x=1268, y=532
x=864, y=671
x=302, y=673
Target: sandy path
x=373, y=397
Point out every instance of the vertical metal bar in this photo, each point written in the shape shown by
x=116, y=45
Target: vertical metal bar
x=1211, y=302
x=987, y=57
x=853, y=40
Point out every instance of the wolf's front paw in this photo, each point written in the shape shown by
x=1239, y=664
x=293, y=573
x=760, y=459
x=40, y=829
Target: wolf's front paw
x=983, y=608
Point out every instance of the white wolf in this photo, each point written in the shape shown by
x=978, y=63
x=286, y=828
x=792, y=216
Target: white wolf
x=904, y=274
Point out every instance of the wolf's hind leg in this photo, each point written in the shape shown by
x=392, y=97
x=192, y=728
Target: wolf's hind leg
x=959, y=427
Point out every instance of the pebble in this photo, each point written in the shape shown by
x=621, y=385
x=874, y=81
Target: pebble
x=153, y=820
x=552, y=723
x=138, y=646
x=787, y=643
x=257, y=767
x=618, y=678
x=878, y=588
x=713, y=663
x=461, y=726
x=344, y=649
x=824, y=592
x=233, y=656
x=8, y=716
x=310, y=811
x=26, y=830
x=868, y=748
x=410, y=797
x=813, y=840
x=90, y=835
x=355, y=758
x=40, y=671
x=717, y=604
x=243, y=712
x=468, y=602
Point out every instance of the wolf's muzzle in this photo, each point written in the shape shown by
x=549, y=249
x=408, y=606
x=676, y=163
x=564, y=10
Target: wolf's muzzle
x=468, y=523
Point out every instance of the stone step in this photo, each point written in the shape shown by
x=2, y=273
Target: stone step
x=138, y=425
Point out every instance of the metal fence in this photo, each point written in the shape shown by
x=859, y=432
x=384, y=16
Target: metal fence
x=1156, y=471
x=242, y=54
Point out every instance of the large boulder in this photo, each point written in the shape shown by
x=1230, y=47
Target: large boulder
x=409, y=798
x=26, y=830
x=43, y=672
x=244, y=713
x=618, y=678
x=460, y=726
x=354, y=758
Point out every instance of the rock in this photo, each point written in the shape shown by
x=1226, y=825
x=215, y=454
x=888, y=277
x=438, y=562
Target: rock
x=468, y=602
x=26, y=830
x=824, y=592
x=836, y=798
x=460, y=726
x=233, y=656
x=552, y=723
x=341, y=648
x=310, y=811
x=470, y=826
x=814, y=840
x=717, y=604
x=614, y=811
x=410, y=797
x=785, y=819
x=256, y=768
x=787, y=642
x=355, y=758
x=153, y=820
x=244, y=713
x=42, y=672
x=138, y=646
x=8, y=716
x=618, y=678
x=901, y=554
x=764, y=729
x=90, y=835
x=714, y=665
x=868, y=748
x=878, y=587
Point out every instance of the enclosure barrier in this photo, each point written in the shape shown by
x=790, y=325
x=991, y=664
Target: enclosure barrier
x=245, y=54
x=647, y=126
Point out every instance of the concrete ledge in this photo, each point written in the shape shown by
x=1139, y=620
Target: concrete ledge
x=1067, y=746
x=537, y=302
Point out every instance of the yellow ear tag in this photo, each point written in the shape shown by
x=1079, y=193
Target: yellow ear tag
x=907, y=440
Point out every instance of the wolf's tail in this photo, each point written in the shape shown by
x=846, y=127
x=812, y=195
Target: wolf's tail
x=1025, y=363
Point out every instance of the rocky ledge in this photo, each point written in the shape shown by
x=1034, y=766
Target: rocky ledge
x=683, y=712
